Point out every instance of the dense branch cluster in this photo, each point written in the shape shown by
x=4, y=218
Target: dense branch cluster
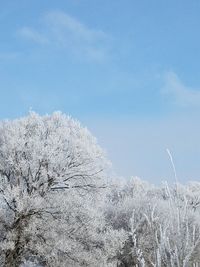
x=162, y=223
x=58, y=209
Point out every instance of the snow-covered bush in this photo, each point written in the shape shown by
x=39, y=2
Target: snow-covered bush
x=162, y=224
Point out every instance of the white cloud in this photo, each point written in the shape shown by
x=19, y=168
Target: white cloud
x=72, y=34
x=180, y=93
x=32, y=35
x=61, y=21
x=66, y=32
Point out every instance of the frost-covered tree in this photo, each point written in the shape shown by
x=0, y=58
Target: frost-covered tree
x=58, y=210
x=51, y=170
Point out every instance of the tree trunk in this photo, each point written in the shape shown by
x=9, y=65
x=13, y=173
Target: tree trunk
x=13, y=256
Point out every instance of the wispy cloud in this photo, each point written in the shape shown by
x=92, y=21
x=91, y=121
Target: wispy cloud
x=66, y=32
x=69, y=32
x=32, y=35
x=61, y=21
x=180, y=93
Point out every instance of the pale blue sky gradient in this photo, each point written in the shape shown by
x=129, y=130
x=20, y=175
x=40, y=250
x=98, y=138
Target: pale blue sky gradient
x=129, y=70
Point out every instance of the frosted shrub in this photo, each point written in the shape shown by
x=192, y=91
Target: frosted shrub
x=162, y=224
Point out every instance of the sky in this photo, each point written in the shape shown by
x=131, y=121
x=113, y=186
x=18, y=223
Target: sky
x=128, y=70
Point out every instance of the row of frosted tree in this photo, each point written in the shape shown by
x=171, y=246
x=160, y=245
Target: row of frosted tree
x=60, y=208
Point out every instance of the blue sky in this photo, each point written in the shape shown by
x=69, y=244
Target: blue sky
x=127, y=69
